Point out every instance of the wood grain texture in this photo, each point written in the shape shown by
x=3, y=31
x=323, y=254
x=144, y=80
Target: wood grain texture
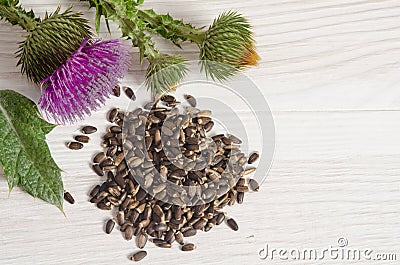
x=330, y=73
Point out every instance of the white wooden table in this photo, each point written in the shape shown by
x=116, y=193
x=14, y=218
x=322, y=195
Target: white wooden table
x=330, y=72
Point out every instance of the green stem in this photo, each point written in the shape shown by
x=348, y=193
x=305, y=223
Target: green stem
x=16, y=15
x=172, y=29
x=139, y=39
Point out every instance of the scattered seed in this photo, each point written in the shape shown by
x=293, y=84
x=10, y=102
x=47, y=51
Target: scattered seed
x=138, y=256
x=129, y=93
x=110, y=226
x=89, y=129
x=232, y=224
x=95, y=191
x=74, y=145
x=188, y=247
x=253, y=184
x=117, y=91
x=113, y=114
x=68, y=197
x=253, y=157
x=97, y=169
x=82, y=138
x=99, y=157
x=168, y=98
x=191, y=100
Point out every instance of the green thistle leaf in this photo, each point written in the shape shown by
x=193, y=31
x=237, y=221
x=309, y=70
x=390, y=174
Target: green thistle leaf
x=24, y=153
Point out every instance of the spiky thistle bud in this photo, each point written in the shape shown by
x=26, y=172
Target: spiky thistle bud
x=51, y=42
x=76, y=73
x=84, y=81
x=228, y=42
x=165, y=72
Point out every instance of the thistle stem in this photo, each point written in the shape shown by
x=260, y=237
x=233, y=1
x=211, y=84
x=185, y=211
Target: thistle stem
x=181, y=30
x=129, y=29
x=18, y=16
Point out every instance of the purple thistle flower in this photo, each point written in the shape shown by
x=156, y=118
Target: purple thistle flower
x=84, y=82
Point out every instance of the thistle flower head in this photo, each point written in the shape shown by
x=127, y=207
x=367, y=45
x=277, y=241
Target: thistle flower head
x=165, y=72
x=84, y=81
x=229, y=45
x=51, y=41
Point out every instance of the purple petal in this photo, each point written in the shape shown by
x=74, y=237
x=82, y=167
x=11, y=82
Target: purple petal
x=84, y=82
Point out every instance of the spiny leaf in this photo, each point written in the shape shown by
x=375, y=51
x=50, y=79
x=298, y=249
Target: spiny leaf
x=24, y=154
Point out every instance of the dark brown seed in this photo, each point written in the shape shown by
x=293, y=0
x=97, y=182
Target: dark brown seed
x=188, y=247
x=119, y=179
x=234, y=139
x=241, y=182
x=161, y=227
x=242, y=188
x=141, y=240
x=120, y=218
x=157, y=241
x=74, y=145
x=164, y=245
x=232, y=224
x=177, y=212
x=208, y=126
x=98, y=170
x=68, y=197
x=129, y=233
x=240, y=197
x=107, y=162
x=253, y=184
x=220, y=218
x=138, y=256
x=89, y=129
x=179, y=237
x=115, y=129
x=82, y=138
x=168, y=98
x=253, y=157
x=99, y=157
x=110, y=226
x=95, y=191
x=191, y=100
x=129, y=93
x=117, y=91
x=125, y=226
x=226, y=140
x=157, y=210
x=190, y=232
x=200, y=224
x=112, y=114
x=170, y=236
x=103, y=206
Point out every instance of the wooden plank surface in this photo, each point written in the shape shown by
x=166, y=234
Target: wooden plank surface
x=330, y=73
